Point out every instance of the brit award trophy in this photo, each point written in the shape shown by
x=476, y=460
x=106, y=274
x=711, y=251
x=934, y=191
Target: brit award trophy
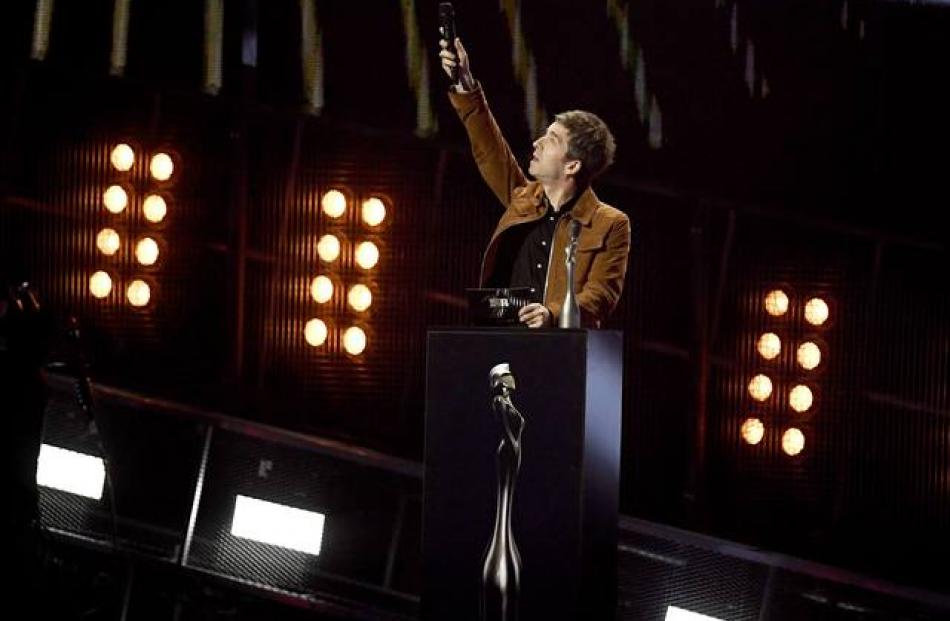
x=501, y=571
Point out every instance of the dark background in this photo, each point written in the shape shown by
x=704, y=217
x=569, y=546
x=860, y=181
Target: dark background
x=819, y=166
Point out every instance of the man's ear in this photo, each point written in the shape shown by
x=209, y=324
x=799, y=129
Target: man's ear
x=572, y=168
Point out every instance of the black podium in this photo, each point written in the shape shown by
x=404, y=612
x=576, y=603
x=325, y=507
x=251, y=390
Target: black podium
x=564, y=507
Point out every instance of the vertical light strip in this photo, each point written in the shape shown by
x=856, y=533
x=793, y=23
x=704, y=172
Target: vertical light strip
x=756, y=82
x=633, y=61
x=311, y=53
x=417, y=70
x=120, y=37
x=41, y=24
x=525, y=69
x=214, y=45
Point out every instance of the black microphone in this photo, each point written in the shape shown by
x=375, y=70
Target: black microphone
x=447, y=30
x=575, y=230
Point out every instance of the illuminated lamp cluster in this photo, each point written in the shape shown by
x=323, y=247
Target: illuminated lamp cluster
x=333, y=280
x=808, y=358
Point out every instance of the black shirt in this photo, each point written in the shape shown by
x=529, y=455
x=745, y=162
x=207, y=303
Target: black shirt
x=530, y=267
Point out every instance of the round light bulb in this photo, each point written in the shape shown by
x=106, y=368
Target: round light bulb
x=100, y=284
x=146, y=251
x=760, y=387
x=769, y=345
x=367, y=255
x=800, y=398
x=138, y=293
x=328, y=248
x=154, y=208
x=334, y=203
x=752, y=430
x=374, y=211
x=776, y=303
x=321, y=289
x=115, y=198
x=107, y=241
x=816, y=311
x=315, y=332
x=161, y=167
x=793, y=441
x=359, y=297
x=122, y=157
x=808, y=355
x=354, y=340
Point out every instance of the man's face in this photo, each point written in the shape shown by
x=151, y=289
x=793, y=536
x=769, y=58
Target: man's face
x=550, y=162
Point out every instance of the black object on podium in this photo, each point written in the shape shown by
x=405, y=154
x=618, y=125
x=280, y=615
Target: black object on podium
x=542, y=441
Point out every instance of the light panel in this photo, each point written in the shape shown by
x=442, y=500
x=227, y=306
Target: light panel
x=279, y=525
x=674, y=613
x=69, y=471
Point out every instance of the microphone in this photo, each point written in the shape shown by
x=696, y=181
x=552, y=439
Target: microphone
x=575, y=230
x=447, y=30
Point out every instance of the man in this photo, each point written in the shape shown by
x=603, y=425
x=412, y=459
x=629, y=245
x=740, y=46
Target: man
x=527, y=248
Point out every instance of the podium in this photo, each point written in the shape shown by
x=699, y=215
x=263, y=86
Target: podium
x=563, y=517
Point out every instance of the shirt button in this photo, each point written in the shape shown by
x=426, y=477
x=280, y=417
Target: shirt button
x=544, y=243
x=532, y=289
x=539, y=266
x=551, y=218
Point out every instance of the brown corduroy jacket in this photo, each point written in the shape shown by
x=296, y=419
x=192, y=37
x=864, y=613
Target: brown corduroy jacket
x=602, y=245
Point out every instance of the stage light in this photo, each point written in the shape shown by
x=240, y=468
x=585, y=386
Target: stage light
x=100, y=284
x=69, y=471
x=760, y=387
x=315, y=332
x=800, y=398
x=321, y=289
x=138, y=293
x=367, y=255
x=776, y=303
x=752, y=430
x=334, y=203
x=161, y=167
x=793, y=441
x=816, y=311
x=360, y=297
x=808, y=355
x=674, y=613
x=328, y=248
x=278, y=525
x=115, y=198
x=374, y=211
x=154, y=208
x=354, y=340
x=769, y=345
x=107, y=241
x=122, y=157
x=146, y=251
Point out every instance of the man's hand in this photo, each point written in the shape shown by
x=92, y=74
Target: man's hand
x=450, y=61
x=535, y=315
